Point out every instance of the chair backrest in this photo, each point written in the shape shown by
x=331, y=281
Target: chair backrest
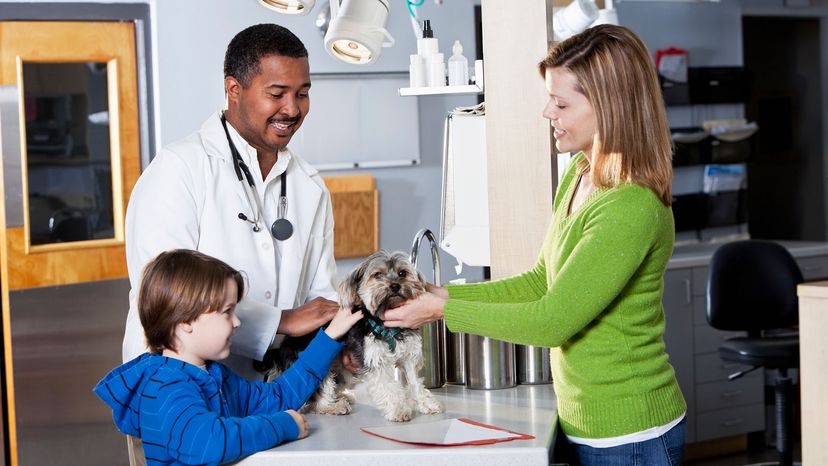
x=752, y=286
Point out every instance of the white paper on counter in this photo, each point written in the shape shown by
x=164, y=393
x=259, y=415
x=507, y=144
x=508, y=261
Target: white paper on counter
x=446, y=432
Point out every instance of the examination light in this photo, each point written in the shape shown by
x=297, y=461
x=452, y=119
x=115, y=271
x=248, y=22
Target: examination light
x=289, y=7
x=357, y=33
x=573, y=19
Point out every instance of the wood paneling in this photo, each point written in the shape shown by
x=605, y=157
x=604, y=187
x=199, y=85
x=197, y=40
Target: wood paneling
x=76, y=265
x=22, y=265
x=356, y=215
x=112, y=43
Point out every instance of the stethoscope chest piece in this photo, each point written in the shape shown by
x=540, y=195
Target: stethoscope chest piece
x=281, y=229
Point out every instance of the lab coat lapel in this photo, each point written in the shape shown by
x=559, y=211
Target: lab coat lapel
x=215, y=144
x=304, y=196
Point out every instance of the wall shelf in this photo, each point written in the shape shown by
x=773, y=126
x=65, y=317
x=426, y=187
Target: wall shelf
x=440, y=90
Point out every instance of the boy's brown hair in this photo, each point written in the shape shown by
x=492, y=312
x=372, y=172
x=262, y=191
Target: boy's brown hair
x=177, y=287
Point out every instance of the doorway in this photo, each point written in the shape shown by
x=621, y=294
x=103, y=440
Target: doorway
x=71, y=155
x=785, y=175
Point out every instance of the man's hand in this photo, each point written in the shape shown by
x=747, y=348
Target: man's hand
x=307, y=317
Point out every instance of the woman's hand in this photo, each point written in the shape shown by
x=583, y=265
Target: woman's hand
x=301, y=423
x=342, y=321
x=438, y=290
x=415, y=313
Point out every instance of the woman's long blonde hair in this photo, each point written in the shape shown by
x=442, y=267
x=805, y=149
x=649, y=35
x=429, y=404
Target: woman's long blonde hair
x=616, y=74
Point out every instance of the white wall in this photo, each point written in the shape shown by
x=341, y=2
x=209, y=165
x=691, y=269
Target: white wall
x=192, y=38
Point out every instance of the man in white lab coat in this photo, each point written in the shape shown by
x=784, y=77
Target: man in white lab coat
x=196, y=195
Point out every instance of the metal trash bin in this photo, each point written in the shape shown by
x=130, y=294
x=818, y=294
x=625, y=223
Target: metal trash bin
x=490, y=364
x=533, y=365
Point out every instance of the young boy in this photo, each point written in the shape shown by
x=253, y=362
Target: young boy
x=188, y=409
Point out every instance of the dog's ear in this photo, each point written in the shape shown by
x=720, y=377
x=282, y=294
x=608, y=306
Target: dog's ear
x=349, y=288
x=421, y=278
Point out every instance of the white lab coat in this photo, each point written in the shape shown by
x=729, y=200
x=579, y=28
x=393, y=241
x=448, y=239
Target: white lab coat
x=190, y=197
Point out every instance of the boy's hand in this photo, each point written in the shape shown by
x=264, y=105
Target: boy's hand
x=301, y=422
x=342, y=322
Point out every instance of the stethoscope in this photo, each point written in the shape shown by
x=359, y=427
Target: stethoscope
x=281, y=229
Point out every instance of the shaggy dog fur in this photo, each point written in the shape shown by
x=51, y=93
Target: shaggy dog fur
x=383, y=281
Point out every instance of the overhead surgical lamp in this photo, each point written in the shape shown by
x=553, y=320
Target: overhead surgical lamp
x=357, y=33
x=289, y=7
x=573, y=19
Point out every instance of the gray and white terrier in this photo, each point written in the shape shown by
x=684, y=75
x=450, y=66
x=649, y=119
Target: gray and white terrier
x=384, y=280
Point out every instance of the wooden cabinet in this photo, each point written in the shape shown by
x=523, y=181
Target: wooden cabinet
x=716, y=407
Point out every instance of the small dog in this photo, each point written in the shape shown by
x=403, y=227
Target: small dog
x=384, y=280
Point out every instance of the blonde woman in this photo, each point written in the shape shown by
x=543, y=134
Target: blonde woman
x=594, y=295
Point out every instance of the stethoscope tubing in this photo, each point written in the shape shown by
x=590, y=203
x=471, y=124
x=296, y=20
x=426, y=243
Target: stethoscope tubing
x=281, y=229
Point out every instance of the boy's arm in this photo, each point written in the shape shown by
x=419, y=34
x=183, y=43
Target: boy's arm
x=176, y=419
x=293, y=388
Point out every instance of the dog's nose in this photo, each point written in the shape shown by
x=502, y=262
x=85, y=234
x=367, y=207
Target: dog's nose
x=395, y=287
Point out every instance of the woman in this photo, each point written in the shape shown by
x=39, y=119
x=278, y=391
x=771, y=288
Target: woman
x=594, y=295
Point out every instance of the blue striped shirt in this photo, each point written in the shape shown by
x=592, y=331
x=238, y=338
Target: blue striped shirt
x=185, y=415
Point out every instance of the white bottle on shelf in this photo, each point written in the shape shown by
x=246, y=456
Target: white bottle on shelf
x=458, y=66
x=428, y=48
x=417, y=73
x=437, y=70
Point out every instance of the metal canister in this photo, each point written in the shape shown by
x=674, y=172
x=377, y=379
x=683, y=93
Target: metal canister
x=533, y=365
x=455, y=358
x=490, y=364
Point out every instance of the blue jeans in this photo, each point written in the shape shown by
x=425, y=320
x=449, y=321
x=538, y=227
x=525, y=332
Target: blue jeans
x=666, y=450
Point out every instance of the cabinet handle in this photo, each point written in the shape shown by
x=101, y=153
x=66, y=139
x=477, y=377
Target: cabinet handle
x=731, y=394
x=733, y=422
x=688, y=292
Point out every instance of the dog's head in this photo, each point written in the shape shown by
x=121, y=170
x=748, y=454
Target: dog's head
x=384, y=280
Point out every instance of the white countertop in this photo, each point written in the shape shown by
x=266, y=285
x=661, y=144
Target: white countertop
x=694, y=255
x=337, y=440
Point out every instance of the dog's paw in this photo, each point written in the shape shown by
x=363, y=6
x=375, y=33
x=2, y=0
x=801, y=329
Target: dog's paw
x=429, y=405
x=348, y=395
x=401, y=413
x=339, y=407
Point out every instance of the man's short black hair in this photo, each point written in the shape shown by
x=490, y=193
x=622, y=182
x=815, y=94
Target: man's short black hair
x=246, y=50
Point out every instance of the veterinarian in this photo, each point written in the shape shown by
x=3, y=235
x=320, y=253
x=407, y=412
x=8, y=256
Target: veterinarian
x=234, y=191
x=594, y=295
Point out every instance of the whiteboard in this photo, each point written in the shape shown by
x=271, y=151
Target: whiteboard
x=359, y=121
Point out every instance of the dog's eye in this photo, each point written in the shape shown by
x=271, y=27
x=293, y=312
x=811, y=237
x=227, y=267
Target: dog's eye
x=402, y=273
x=377, y=275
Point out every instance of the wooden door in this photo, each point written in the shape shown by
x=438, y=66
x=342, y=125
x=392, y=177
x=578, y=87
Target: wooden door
x=70, y=132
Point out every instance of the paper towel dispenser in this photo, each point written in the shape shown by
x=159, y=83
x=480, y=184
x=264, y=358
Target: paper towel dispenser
x=464, y=222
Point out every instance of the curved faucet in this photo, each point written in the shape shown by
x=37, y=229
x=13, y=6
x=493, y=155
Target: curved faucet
x=435, y=255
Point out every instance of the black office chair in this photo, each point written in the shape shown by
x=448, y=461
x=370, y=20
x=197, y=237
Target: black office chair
x=752, y=287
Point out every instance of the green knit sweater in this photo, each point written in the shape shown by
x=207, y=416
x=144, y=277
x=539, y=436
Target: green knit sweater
x=594, y=297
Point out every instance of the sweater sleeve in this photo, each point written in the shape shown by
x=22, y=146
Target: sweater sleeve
x=617, y=236
x=177, y=420
x=526, y=287
x=293, y=388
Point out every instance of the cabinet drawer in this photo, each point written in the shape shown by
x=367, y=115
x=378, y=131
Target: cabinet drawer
x=700, y=310
x=727, y=422
x=813, y=268
x=720, y=395
x=710, y=368
x=700, y=281
x=707, y=339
